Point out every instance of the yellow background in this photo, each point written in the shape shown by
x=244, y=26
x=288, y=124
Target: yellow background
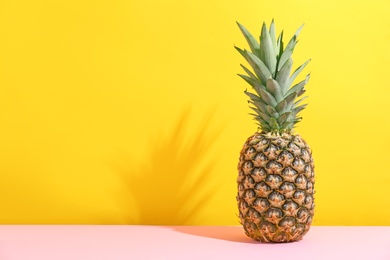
x=131, y=112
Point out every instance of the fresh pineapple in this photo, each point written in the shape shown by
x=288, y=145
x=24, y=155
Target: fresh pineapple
x=276, y=170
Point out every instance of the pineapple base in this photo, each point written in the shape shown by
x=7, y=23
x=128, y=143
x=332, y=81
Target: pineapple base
x=275, y=187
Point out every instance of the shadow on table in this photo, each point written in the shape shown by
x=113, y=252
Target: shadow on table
x=227, y=233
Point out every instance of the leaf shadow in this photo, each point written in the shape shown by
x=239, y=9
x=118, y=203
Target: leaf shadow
x=177, y=180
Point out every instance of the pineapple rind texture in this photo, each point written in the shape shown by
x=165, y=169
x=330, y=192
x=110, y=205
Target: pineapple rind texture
x=275, y=187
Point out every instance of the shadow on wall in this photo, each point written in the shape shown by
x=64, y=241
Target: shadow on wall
x=176, y=181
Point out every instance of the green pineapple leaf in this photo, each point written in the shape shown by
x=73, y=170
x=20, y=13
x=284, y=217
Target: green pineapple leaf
x=283, y=75
x=299, y=86
x=290, y=101
x=289, y=48
x=287, y=52
x=299, y=101
x=252, y=96
x=258, y=103
x=263, y=124
x=259, y=67
x=300, y=93
x=282, y=106
x=272, y=33
x=250, y=73
x=296, y=72
x=265, y=117
x=252, y=42
x=275, y=101
x=256, y=85
x=279, y=45
x=274, y=125
x=268, y=98
x=272, y=112
x=275, y=90
x=296, y=110
x=267, y=52
x=284, y=118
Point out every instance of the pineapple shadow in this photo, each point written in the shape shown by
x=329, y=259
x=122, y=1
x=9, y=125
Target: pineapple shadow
x=178, y=181
x=228, y=233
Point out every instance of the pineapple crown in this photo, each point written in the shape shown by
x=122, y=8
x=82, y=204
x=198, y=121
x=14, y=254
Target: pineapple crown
x=275, y=101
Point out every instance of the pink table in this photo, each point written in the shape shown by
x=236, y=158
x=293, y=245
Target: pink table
x=165, y=242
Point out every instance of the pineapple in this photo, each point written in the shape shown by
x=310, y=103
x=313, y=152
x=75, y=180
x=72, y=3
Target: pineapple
x=275, y=170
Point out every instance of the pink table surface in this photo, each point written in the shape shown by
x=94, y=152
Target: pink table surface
x=73, y=242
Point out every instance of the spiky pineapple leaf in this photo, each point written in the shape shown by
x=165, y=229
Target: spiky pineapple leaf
x=252, y=42
x=259, y=67
x=252, y=96
x=299, y=86
x=298, y=109
x=284, y=117
x=286, y=124
x=287, y=52
x=296, y=72
x=259, y=104
x=283, y=75
x=268, y=98
x=266, y=117
x=299, y=101
x=280, y=47
x=274, y=125
x=282, y=106
x=298, y=31
x=272, y=112
x=275, y=90
x=267, y=52
x=256, y=85
x=289, y=48
x=274, y=99
x=263, y=124
x=290, y=101
x=272, y=33
x=300, y=93
x=250, y=73
x=255, y=109
x=294, y=123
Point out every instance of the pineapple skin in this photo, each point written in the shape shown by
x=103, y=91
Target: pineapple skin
x=275, y=187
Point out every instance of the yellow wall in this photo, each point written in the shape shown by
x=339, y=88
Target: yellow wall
x=123, y=112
